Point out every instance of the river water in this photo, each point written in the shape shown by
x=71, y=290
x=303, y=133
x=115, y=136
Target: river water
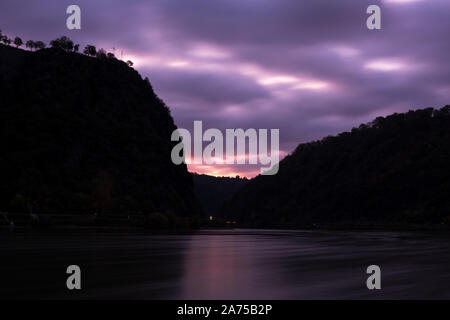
x=225, y=264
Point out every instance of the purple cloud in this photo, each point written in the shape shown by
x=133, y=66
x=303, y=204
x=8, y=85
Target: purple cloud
x=310, y=68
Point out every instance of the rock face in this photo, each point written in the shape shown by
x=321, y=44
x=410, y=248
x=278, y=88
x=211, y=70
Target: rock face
x=394, y=169
x=82, y=134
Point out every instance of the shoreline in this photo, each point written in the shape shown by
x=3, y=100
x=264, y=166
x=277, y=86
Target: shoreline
x=188, y=231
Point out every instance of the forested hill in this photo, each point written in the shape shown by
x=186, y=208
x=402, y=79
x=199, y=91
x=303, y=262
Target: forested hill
x=393, y=169
x=80, y=134
x=214, y=192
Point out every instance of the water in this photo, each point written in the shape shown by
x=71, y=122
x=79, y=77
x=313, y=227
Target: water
x=225, y=264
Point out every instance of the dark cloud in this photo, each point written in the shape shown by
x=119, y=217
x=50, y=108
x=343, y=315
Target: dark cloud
x=207, y=89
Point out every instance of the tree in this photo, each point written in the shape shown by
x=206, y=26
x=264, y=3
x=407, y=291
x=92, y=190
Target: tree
x=6, y=40
x=63, y=43
x=101, y=53
x=18, y=42
x=76, y=47
x=130, y=63
x=39, y=45
x=30, y=44
x=90, y=50
x=111, y=55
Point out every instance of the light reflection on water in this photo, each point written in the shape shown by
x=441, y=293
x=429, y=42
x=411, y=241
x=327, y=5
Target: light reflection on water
x=226, y=264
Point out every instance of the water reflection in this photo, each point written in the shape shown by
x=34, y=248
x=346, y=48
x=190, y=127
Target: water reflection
x=221, y=264
x=224, y=266
x=267, y=264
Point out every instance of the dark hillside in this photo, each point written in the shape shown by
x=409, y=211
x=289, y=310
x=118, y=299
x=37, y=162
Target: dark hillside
x=81, y=134
x=394, y=169
x=214, y=192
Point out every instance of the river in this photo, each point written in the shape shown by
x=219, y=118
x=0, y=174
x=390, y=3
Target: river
x=225, y=264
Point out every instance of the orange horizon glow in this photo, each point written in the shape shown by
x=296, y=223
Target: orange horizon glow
x=248, y=171
x=222, y=172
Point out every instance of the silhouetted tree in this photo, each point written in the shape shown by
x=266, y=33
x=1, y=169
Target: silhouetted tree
x=18, y=204
x=111, y=55
x=101, y=53
x=6, y=40
x=63, y=43
x=130, y=63
x=39, y=45
x=18, y=42
x=30, y=44
x=76, y=47
x=90, y=50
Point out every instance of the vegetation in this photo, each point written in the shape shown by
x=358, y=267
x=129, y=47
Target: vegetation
x=62, y=43
x=81, y=135
x=213, y=192
x=394, y=169
x=6, y=40
x=39, y=45
x=90, y=50
x=30, y=44
x=18, y=42
x=101, y=54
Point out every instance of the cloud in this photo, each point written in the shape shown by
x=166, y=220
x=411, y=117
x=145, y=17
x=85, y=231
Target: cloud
x=207, y=89
x=310, y=68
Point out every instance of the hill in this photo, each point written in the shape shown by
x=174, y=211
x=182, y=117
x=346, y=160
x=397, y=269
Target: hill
x=214, y=192
x=81, y=134
x=394, y=169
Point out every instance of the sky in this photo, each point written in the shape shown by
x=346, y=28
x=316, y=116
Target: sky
x=310, y=68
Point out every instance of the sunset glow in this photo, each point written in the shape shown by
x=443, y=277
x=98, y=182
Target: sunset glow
x=233, y=69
